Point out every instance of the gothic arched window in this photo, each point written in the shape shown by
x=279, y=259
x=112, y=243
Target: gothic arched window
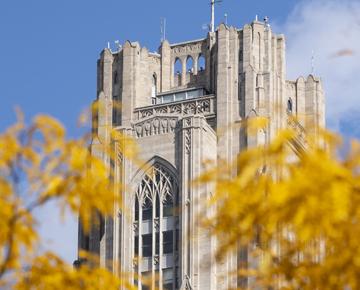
x=177, y=67
x=189, y=65
x=289, y=105
x=201, y=63
x=153, y=89
x=156, y=220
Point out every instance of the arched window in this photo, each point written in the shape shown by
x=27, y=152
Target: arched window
x=289, y=105
x=189, y=65
x=177, y=67
x=153, y=89
x=201, y=63
x=158, y=233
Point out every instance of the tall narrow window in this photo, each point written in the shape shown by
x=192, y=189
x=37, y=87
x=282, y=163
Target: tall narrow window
x=157, y=199
x=289, y=105
x=168, y=242
x=177, y=67
x=189, y=65
x=201, y=63
x=147, y=245
x=153, y=89
x=116, y=115
x=177, y=72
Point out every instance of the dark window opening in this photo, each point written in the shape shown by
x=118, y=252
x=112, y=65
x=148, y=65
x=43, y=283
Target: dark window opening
x=147, y=210
x=147, y=245
x=153, y=89
x=157, y=213
x=168, y=208
x=116, y=117
x=116, y=77
x=157, y=243
x=177, y=240
x=136, y=209
x=136, y=250
x=168, y=242
x=167, y=286
x=290, y=105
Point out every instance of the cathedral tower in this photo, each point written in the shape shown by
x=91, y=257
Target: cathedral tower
x=173, y=102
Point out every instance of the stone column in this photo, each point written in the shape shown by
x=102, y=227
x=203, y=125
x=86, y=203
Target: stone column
x=198, y=143
x=131, y=60
x=183, y=71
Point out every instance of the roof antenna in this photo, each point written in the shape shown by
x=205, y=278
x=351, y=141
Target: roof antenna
x=108, y=45
x=267, y=24
x=225, y=16
x=212, y=25
x=312, y=62
x=162, y=29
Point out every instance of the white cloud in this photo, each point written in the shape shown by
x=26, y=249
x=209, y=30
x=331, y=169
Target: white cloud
x=332, y=30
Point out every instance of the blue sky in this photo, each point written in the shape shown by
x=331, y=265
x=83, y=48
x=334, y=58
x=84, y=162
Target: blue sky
x=48, y=53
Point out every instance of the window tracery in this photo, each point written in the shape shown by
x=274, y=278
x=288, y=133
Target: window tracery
x=156, y=200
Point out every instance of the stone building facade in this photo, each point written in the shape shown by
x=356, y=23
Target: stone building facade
x=173, y=102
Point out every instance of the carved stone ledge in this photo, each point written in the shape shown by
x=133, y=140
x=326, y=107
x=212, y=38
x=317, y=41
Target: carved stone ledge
x=204, y=105
x=155, y=126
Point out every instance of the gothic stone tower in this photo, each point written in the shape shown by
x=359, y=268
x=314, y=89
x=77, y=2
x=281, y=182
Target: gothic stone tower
x=174, y=114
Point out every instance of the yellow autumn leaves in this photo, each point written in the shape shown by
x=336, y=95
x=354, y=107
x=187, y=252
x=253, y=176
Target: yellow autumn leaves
x=297, y=214
x=37, y=165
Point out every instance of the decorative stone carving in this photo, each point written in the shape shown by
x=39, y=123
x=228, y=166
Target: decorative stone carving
x=186, y=285
x=175, y=109
x=202, y=105
x=159, y=182
x=155, y=126
x=191, y=48
x=190, y=109
x=161, y=110
x=157, y=224
x=146, y=113
x=136, y=227
x=187, y=141
x=156, y=260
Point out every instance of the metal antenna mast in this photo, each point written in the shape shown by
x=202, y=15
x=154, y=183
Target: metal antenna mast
x=163, y=28
x=312, y=62
x=212, y=24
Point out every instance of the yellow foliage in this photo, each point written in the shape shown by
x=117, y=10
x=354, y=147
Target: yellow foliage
x=303, y=216
x=50, y=272
x=37, y=165
x=301, y=211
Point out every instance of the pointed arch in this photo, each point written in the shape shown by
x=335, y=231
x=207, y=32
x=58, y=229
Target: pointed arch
x=150, y=163
x=201, y=62
x=189, y=64
x=177, y=66
x=157, y=220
